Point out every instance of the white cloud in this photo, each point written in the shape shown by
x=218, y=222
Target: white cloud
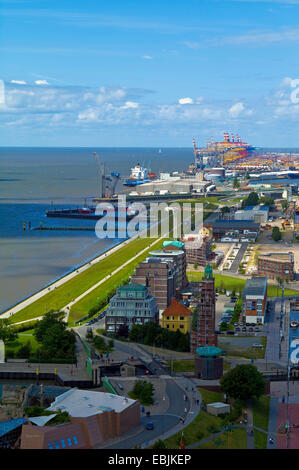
x=185, y=100
x=147, y=57
x=236, y=109
x=18, y=82
x=41, y=82
x=130, y=104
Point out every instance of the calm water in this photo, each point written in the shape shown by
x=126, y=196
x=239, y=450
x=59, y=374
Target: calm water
x=33, y=180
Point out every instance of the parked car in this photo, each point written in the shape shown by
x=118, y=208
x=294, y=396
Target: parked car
x=248, y=324
x=256, y=328
x=257, y=345
x=238, y=328
x=244, y=328
x=149, y=425
x=236, y=323
x=252, y=324
x=241, y=323
x=230, y=332
x=223, y=353
x=250, y=329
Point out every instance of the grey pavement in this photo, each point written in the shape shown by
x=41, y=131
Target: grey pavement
x=272, y=425
x=235, y=264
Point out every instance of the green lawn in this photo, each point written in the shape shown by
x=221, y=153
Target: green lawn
x=261, y=412
x=76, y=286
x=230, y=283
x=260, y=440
x=199, y=428
x=248, y=353
x=234, y=439
x=21, y=340
x=81, y=308
x=182, y=366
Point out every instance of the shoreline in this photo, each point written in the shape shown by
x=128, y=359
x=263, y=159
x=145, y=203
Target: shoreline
x=61, y=279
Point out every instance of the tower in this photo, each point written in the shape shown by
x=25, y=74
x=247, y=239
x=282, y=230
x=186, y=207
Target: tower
x=203, y=333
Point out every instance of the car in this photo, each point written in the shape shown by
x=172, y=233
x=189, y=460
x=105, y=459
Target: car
x=248, y=324
x=238, y=328
x=256, y=328
x=236, y=323
x=244, y=328
x=241, y=323
x=223, y=353
x=252, y=324
x=218, y=332
x=250, y=329
x=294, y=324
x=257, y=345
x=230, y=332
x=149, y=425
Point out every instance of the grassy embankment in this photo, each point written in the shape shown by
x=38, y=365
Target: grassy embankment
x=245, y=352
x=261, y=419
x=76, y=286
x=230, y=283
x=187, y=365
x=201, y=426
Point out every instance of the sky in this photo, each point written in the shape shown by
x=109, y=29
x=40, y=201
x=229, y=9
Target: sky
x=148, y=74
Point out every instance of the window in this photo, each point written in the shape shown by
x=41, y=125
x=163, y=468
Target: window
x=182, y=318
x=63, y=443
x=182, y=327
x=75, y=440
x=56, y=445
x=50, y=445
x=69, y=441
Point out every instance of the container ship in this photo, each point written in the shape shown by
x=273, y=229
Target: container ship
x=225, y=153
x=139, y=175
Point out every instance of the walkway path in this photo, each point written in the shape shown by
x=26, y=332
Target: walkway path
x=67, y=308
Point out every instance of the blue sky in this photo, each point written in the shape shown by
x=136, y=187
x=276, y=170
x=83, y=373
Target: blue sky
x=157, y=73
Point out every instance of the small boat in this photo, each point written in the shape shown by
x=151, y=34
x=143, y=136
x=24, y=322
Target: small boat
x=294, y=324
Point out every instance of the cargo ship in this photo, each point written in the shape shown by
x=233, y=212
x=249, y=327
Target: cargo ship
x=87, y=213
x=224, y=153
x=139, y=175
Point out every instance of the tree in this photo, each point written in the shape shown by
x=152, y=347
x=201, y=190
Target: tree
x=56, y=340
x=252, y=199
x=276, y=234
x=159, y=445
x=243, y=382
x=24, y=351
x=7, y=333
x=267, y=201
x=284, y=205
x=236, y=183
x=195, y=265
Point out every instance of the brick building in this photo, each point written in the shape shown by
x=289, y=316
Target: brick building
x=274, y=265
x=175, y=250
x=198, y=250
x=159, y=275
x=254, y=299
x=94, y=418
x=203, y=333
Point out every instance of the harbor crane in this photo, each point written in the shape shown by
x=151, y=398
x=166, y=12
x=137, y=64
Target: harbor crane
x=107, y=183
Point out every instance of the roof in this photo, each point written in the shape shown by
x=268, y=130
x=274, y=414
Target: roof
x=83, y=403
x=166, y=253
x=41, y=420
x=10, y=425
x=223, y=223
x=218, y=404
x=208, y=351
x=208, y=274
x=177, y=308
x=278, y=256
x=255, y=286
x=133, y=287
x=175, y=243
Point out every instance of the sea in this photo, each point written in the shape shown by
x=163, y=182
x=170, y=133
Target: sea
x=34, y=180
